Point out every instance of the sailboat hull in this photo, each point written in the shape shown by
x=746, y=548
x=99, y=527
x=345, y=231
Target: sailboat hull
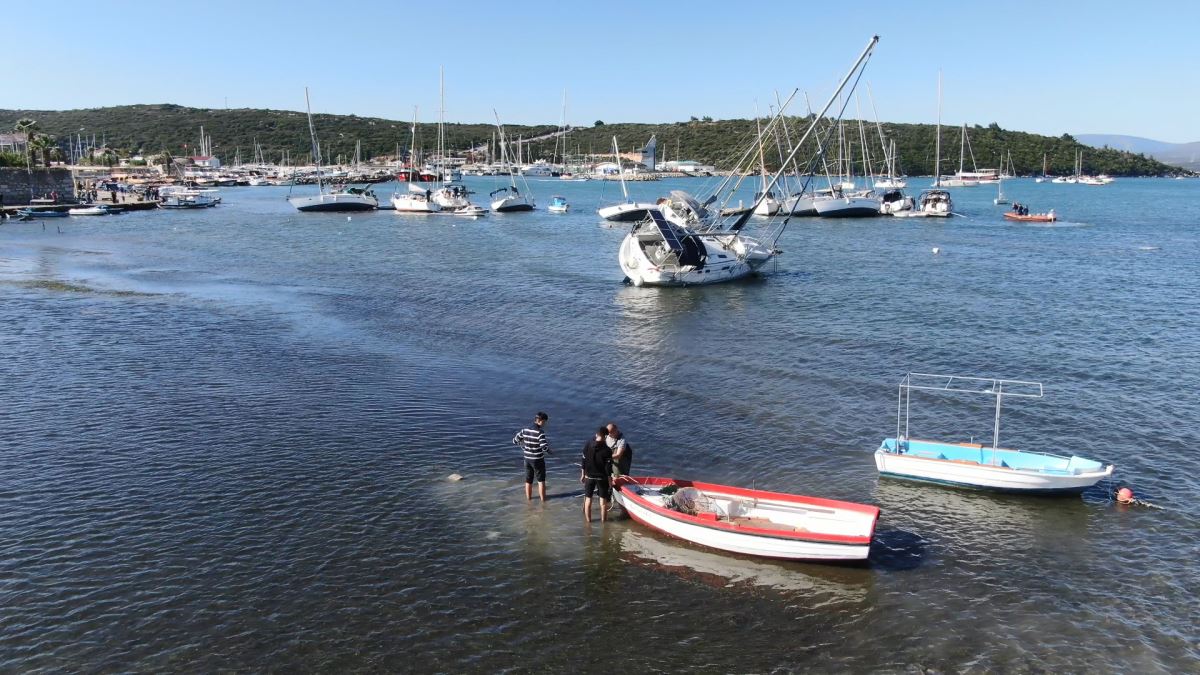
x=338, y=202
x=847, y=207
x=625, y=213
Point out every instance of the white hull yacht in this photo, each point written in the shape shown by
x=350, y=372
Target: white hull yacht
x=418, y=199
x=658, y=252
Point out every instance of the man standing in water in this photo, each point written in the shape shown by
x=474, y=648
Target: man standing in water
x=534, y=446
x=596, y=465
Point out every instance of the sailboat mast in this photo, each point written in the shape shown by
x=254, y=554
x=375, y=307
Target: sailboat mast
x=937, y=153
x=316, y=148
x=620, y=172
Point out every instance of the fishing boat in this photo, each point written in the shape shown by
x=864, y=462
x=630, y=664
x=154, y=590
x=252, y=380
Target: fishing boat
x=1048, y=217
x=558, y=205
x=331, y=199
x=98, y=210
x=41, y=213
x=183, y=197
x=750, y=522
x=972, y=464
x=628, y=210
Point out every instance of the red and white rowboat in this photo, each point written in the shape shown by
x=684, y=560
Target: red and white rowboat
x=753, y=522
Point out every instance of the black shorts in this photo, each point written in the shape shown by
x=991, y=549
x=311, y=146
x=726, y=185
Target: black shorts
x=597, y=485
x=535, y=469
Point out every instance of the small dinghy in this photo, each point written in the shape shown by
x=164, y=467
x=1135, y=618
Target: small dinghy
x=41, y=213
x=558, y=205
x=1047, y=217
x=752, y=522
x=972, y=464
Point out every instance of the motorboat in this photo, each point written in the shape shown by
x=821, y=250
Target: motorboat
x=180, y=197
x=330, y=198
x=936, y=203
x=892, y=202
x=1048, y=217
x=975, y=465
x=539, y=168
x=455, y=198
x=418, y=199
x=97, y=210
x=558, y=205
x=750, y=522
x=41, y=213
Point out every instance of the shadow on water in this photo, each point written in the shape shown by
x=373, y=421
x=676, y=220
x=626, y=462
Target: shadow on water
x=897, y=550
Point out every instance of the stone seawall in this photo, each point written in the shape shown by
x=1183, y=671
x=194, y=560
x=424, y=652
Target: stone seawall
x=16, y=184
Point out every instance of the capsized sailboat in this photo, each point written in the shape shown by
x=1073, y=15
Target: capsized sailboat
x=974, y=464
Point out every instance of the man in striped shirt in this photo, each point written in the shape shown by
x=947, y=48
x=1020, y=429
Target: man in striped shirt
x=534, y=446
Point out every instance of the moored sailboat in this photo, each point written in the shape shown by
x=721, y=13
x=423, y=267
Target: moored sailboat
x=351, y=199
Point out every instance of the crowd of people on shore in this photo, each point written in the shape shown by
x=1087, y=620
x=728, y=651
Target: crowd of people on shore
x=605, y=458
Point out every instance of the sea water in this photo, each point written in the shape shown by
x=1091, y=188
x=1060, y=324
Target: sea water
x=225, y=437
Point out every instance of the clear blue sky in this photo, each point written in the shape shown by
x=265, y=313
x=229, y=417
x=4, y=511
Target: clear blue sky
x=1047, y=67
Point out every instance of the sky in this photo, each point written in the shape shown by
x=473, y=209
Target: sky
x=1046, y=67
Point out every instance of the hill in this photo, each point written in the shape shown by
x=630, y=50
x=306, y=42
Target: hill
x=1186, y=155
x=148, y=129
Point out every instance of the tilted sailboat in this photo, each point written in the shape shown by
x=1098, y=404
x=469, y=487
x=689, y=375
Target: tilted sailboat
x=351, y=199
x=684, y=242
x=417, y=198
x=628, y=210
x=509, y=199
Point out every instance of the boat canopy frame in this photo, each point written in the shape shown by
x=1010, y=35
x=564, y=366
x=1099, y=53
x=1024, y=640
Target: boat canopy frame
x=961, y=384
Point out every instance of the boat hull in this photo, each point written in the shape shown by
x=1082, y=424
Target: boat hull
x=847, y=207
x=1031, y=218
x=625, y=213
x=337, y=202
x=731, y=537
x=984, y=476
x=511, y=205
x=749, y=256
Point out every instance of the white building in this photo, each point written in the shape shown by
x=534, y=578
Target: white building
x=687, y=166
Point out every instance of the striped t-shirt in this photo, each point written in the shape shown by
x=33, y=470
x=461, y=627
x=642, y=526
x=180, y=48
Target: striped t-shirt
x=533, y=442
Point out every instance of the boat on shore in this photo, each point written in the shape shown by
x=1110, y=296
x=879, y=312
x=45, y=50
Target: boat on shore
x=750, y=522
x=972, y=464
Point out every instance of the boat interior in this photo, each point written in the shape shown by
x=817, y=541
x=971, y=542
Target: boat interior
x=1004, y=458
x=755, y=512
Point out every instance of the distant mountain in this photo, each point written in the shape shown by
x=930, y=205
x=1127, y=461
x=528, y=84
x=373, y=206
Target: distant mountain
x=1186, y=155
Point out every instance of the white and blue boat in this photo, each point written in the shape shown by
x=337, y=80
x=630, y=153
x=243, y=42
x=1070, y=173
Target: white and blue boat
x=975, y=465
x=558, y=205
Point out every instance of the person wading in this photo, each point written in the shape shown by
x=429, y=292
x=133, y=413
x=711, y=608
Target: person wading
x=534, y=446
x=596, y=467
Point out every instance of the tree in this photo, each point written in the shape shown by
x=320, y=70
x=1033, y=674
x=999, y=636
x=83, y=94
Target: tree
x=599, y=123
x=25, y=126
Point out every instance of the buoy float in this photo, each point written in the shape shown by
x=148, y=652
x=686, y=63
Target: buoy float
x=936, y=250
x=454, y=477
x=1125, y=495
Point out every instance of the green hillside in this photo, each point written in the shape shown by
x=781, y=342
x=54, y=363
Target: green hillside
x=149, y=129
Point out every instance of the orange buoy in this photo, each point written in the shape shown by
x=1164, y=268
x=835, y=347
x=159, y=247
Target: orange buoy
x=1125, y=495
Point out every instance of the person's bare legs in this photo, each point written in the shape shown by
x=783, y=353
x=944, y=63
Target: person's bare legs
x=603, y=510
x=587, y=510
x=528, y=491
x=542, y=490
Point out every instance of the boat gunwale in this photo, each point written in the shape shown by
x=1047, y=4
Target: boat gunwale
x=726, y=526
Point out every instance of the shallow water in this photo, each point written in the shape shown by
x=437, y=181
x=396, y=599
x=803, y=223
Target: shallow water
x=227, y=432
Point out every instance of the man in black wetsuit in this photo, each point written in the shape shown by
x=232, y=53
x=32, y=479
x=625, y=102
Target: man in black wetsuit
x=595, y=474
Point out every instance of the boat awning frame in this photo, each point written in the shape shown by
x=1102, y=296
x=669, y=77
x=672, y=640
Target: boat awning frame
x=961, y=384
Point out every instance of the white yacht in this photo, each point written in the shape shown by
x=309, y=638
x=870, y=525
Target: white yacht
x=628, y=210
x=658, y=252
